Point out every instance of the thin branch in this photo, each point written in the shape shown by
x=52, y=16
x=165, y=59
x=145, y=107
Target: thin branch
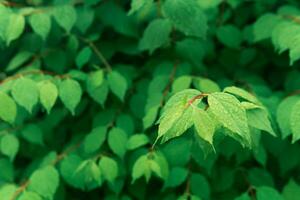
x=98, y=54
x=171, y=80
x=33, y=72
x=20, y=190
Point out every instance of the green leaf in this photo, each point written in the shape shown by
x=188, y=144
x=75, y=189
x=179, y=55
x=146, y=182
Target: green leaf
x=7, y=191
x=41, y=24
x=65, y=16
x=94, y=140
x=33, y=134
x=230, y=113
x=136, y=5
x=263, y=27
x=48, y=94
x=117, y=140
x=70, y=94
x=283, y=114
x=176, y=177
x=29, y=196
x=200, y=186
x=156, y=35
x=44, y=182
x=266, y=193
x=204, y=125
x=230, y=36
x=97, y=87
x=26, y=93
x=137, y=141
x=109, y=168
x=14, y=28
x=291, y=191
x=7, y=170
x=242, y=94
x=18, y=60
x=82, y=174
x=150, y=117
x=294, y=121
x=174, y=110
x=186, y=16
x=259, y=118
x=181, y=83
x=117, y=84
x=8, y=108
x=83, y=57
x=9, y=145
x=206, y=85
x=141, y=168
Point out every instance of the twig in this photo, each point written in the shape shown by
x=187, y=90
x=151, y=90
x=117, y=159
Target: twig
x=32, y=72
x=98, y=54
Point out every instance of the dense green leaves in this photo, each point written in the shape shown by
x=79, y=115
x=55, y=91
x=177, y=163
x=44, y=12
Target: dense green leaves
x=149, y=99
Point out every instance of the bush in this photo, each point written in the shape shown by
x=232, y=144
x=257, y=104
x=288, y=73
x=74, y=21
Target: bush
x=144, y=99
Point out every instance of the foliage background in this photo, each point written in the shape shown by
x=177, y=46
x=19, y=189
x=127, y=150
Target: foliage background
x=83, y=84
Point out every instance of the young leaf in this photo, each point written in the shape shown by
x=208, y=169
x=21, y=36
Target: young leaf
x=141, y=168
x=65, y=16
x=70, y=94
x=156, y=35
x=117, y=84
x=48, y=94
x=9, y=145
x=187, y=16
x=44, y=182
x=204, y=125
x=230, y=113
x=109, y=168
x=242, y=93
x=41, y=24
x=117, y=140
x=15, y=28
x=174, y=110
x=26, y=93
x=8, y=108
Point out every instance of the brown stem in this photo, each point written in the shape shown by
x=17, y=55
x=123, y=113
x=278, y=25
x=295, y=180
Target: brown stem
x=98, y=54
x=20, y=190
x=17, y=76
x=171, y=80
x=199, y=96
